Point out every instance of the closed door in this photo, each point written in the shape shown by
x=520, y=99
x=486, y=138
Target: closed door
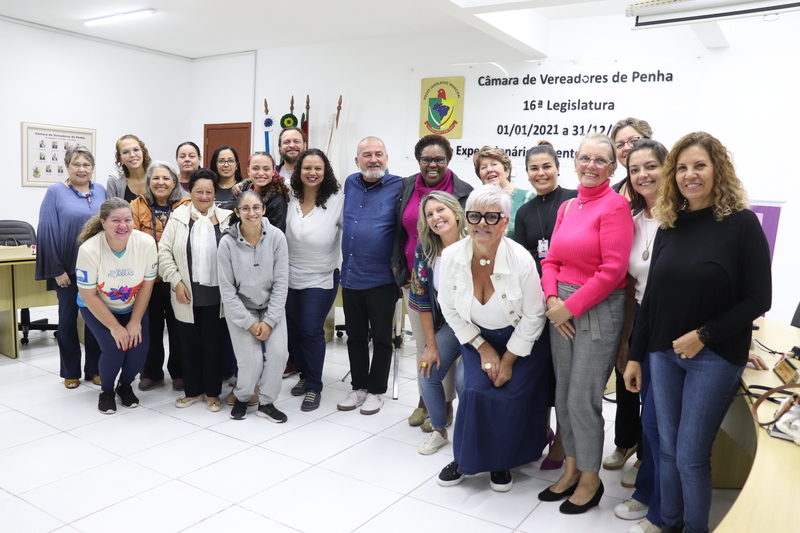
x=236, y=135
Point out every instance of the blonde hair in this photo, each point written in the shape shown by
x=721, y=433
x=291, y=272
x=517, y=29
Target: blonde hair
x=729, y=195
x=94, y=225
x=430, y=241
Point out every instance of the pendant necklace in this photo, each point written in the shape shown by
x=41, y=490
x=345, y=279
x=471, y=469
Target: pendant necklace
x=485, y=262
x=647, y=241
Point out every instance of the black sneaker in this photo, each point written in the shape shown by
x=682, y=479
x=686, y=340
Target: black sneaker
x=107, y=404
x=300, y=388
x=449, y=476
x=501, y=481
x=271, y=413
x=311, y=401
x=126, y=395
x=239, y=410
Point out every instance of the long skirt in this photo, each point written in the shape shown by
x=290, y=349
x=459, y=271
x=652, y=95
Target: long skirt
x=499, y=428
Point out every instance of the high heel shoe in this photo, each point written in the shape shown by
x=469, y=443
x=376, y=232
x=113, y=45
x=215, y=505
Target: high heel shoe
x=570, y=508
x=548, y=495
x=549, y=464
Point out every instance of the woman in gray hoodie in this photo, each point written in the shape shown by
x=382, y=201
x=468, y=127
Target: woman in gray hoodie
x=253, y=269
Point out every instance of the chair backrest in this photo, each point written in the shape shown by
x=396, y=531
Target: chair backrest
x=18, y=229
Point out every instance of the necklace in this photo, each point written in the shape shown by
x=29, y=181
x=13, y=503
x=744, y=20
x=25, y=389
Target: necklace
x=485, y=262
x=647, y=240
x=80, y=194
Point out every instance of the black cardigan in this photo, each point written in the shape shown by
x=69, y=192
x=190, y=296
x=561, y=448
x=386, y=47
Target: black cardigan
x=706, y=273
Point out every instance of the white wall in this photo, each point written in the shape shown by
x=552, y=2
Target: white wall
x=52, y=78
x=746, y=94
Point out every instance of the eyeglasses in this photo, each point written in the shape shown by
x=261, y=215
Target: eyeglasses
x=255, y=209
x=630, y=142
x=429, y=160
x=491, y=217
x=599, y=162
x=226, y=162
x=85, y=166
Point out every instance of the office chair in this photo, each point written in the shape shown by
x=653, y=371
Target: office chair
x=22, y=233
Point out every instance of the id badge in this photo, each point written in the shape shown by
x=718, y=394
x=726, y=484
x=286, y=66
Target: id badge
x=542, y=248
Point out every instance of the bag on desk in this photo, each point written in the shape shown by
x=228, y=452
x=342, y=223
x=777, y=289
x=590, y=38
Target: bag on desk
x=787, y=417
x=10, y=242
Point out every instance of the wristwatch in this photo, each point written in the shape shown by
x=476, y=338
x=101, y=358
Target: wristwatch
x=477, y=342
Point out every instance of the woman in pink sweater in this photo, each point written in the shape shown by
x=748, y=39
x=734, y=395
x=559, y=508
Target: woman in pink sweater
x=583, y=277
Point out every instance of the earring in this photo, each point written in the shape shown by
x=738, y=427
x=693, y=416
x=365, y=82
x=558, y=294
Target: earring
x=457, y=218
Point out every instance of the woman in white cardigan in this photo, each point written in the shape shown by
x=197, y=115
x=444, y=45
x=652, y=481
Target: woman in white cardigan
x=187, y=260
x=491, y=296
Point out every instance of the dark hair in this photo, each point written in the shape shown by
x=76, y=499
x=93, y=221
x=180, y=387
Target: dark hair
x=660, y=151
x=292, y=128
x=145, y=155
x=203, y=174
x=187, y=143
x=330, y=185
x=542, y=147
x=238, y=174
x=433, y=139
x=234, y=216
x=276, y=186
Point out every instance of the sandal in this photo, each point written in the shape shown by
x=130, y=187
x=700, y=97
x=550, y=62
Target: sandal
x=215, y=406
x=72, y=383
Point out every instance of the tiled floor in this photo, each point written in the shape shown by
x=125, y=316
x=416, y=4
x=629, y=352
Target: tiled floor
x=65, y=467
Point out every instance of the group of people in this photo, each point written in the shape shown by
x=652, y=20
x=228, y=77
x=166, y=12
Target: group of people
x=518, y=302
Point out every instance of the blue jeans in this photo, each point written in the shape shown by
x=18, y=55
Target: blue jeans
x=69, y=345
x=113, y=361
x=306, y=311
x=431, y=388
x=691, y=398
x=650, y=483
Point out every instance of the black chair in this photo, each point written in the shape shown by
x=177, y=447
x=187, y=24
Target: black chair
x=17, y=232
x=796, y=318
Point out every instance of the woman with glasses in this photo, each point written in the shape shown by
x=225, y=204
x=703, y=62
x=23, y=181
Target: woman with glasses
x=225, y=164
x=491, y=297
x=132, y=160
x=65, y=209
x=583, y=277
x=624, y=134
x=433, y=153
x=314, y=235
x=492, y=165
x=263, y=178
x=253, y=282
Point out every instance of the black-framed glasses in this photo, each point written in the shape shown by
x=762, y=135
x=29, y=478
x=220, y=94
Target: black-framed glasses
x=429, y=160
x=492, y=218
x=630, y=142
x=226, y=162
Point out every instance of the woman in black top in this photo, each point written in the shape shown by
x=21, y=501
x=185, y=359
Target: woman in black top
x=537, y=218
x=533, y=228
x=709, y=279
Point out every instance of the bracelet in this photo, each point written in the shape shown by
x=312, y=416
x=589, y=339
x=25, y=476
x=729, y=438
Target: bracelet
x=702, y=334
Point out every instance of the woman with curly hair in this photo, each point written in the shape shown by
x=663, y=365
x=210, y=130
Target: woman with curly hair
x=132, y=160
x=433, y=153
x=709, y=279
x=314, y=235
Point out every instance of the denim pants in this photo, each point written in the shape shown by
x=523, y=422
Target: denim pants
x=113, y=361
x=432, y=388
x=648, y=480
x=69, y=345
x=306, y=311
x=691, y=398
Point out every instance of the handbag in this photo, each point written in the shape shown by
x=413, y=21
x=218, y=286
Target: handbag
x=787, y=418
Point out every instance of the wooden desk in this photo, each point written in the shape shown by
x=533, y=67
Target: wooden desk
x=767, y=500
x=18, y=290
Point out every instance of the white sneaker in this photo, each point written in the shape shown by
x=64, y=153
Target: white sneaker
x=433, y=443
x=354, y=399
x=629, y=478
x=631, y=509
x=372, y=404
x=644, y=526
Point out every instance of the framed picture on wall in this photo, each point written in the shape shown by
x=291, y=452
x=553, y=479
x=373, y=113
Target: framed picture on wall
x=43, y=150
